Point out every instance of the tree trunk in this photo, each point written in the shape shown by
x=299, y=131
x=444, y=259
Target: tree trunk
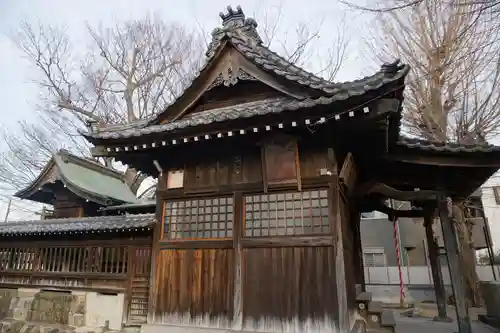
x=466, y=244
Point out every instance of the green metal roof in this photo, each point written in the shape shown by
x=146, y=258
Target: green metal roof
x=94, y=182
x=87, y=179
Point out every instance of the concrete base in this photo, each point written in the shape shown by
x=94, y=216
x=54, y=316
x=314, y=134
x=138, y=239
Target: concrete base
x=492, y=321
x=442, y=319
x=415, y=294
x=491, y=294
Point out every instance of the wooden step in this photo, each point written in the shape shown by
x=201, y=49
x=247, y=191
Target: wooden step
x=388, y=321
x=364, y=296
x=375, y=307
x=378, y=318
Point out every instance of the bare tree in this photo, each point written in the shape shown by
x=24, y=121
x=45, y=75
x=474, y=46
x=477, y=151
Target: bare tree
x=384, y=6
x=453, y=88
x=129, y=73
x=299, y=43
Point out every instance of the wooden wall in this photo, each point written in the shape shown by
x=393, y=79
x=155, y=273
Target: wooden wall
x=289, y=283
x=196, y=282
x=67, y=204
x=236, y=257
x=233, y=252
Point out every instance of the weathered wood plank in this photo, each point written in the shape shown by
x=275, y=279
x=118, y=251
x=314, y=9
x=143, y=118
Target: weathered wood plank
x=194, y=283
x=289, y=283
x=197, y=244
x=287, y=241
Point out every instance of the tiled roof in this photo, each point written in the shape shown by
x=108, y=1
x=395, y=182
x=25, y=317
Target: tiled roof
x=78, y=224
x=244, y=110
x=253, y=49
x=446, y=146
x=242, y=34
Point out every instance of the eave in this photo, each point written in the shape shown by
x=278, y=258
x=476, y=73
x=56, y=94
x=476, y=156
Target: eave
x=79, y=225
x=423, y=152
x=53, y=173
x=36, y=184
x=318, y=113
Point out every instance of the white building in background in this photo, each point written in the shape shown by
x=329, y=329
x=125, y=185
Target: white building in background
x=491, y=203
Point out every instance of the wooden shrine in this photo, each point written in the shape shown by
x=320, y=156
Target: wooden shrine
x=263, y=170
x=76, y=249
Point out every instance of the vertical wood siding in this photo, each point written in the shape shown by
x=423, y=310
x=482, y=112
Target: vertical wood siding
x=348, y=246
x=288, y=283
x=194, y=283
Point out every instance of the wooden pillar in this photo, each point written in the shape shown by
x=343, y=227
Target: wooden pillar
x=161, y=188
x=358, y=249
x=456, y=276
x=437, y=274
x=238, y=210
x=335, y=219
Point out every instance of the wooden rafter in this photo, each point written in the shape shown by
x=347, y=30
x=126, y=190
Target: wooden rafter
x=369, y=188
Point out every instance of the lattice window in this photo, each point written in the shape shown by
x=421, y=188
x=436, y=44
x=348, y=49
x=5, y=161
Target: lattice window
x=199, y=218
x=284, y=214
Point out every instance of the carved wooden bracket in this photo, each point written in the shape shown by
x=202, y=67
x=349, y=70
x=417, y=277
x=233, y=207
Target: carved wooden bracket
x=229, y=77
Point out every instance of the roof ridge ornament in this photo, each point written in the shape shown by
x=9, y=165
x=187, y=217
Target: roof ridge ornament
x=235, y=23
x=392, y=68
x=232, y=15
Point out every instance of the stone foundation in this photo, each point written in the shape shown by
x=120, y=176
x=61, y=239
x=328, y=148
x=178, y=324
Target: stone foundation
x=491, y=294
x=76, y=309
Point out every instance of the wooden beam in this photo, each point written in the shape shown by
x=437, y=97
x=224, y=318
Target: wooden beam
x=348, y=173
x=395, y=214
x=452, y=253
x=373, y=187
x=437, y=274
x=358, y=252
x=99, y=151
x=468, y=160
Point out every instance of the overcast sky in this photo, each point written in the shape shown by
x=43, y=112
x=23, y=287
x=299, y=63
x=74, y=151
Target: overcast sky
x=19, y=94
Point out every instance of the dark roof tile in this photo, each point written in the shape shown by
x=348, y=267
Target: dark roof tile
x=446, y=146
x=78, y=224
x=244, y=110
x=241, y=33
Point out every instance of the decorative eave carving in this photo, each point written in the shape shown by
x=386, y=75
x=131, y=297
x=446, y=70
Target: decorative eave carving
x=228, y=77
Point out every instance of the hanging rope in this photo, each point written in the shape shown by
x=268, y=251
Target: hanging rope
x=402, y=295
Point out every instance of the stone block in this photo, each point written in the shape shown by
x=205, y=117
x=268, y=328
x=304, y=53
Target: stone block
x=26, y=328
x=15, y=327
x=78, y=320
x=27, y=292
x=78, y=304
x=51, y=307
x=20, y=313
x=6, y=297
